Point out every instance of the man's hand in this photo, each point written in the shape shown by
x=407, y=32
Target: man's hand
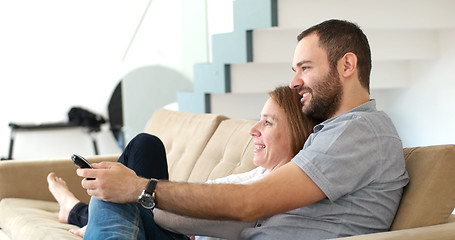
x=113, y=182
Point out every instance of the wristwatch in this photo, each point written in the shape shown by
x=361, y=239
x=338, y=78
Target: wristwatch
x=147, y=197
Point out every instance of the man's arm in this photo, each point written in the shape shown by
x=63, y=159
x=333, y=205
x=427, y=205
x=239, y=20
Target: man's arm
x=225, y=229
x=282, y=190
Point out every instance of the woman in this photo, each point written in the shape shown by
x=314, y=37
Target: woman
x=279, y=135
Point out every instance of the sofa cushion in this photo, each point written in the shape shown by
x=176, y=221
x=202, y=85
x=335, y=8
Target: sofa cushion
x=185, y=136
x=3, y=235
x=32, y=219
x=31, y=174
x=429, y=198
x=437, y=232
x=230, y=150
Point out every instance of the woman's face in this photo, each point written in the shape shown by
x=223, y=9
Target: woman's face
x=271, y=140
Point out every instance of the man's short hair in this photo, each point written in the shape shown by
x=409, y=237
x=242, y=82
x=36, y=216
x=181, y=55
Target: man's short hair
x=338, y=37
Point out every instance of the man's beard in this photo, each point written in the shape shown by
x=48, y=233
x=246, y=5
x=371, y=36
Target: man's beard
x=325, y=97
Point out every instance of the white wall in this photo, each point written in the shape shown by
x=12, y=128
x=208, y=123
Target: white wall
x=53, y=55
x=424, y=112
x=57, y=54
x=170, y=48
x=183, y=41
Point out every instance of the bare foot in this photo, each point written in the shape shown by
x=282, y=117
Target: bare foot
x=79, y=232
x=63, y=195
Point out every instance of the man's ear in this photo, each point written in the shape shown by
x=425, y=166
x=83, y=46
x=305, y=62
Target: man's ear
x=348, y=65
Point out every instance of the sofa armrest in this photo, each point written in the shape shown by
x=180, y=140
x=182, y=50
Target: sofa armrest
x=452, y=218
x=27, y=178
x=444, y=231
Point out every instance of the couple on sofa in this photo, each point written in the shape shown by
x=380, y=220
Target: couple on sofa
x=347, y=179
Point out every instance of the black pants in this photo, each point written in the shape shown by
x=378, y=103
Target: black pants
x=145, y=154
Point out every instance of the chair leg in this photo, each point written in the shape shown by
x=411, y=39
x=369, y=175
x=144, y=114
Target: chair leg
x=11, y=144
x=95, y=144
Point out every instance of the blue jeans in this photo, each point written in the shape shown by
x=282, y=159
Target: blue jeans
x=146, y=155
x=124, y=221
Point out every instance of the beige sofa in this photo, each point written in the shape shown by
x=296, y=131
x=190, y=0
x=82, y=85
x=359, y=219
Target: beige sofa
x=207, y=146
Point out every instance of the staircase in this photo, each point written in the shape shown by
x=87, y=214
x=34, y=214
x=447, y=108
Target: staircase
x=256, y=57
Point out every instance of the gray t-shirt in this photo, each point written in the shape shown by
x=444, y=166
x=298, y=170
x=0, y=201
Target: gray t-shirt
x=357, y=160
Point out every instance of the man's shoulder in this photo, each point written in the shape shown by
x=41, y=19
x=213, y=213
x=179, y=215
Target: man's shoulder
x=366, y=117
x=353, y=128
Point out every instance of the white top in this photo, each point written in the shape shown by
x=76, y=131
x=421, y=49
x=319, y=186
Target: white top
x=242, y=178
x=204, y=227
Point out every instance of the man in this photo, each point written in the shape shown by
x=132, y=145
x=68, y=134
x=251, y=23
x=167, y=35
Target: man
x=347, y=180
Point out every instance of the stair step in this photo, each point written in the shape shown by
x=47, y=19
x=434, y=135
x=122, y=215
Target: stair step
x=238, y=105
x=390, y=74
x=259, y=77
x=231, y=47
x=413, y=14
x=264, y=77
x=278, y=44
x=256, y=57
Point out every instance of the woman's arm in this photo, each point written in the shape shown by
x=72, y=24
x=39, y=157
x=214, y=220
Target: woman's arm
x=201, y=227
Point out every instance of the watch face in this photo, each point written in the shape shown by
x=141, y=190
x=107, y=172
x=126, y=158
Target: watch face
x=146, y=201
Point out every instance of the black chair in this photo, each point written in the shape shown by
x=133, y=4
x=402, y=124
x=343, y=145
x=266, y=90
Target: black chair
x=79, y=117
x=115, y=112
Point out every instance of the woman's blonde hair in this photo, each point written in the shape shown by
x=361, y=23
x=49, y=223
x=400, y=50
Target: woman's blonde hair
x=299, y=126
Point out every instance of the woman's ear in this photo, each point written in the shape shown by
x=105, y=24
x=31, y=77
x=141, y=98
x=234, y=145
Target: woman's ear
x=348, y=65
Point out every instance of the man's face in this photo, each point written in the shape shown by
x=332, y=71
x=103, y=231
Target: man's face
x=318, y=84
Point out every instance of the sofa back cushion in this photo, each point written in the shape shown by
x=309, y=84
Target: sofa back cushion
x=30, y=177
x=185, y=136
x=230, y=150
x=429, y=198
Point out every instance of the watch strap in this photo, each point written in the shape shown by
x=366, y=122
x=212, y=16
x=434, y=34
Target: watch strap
x=151, y=185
